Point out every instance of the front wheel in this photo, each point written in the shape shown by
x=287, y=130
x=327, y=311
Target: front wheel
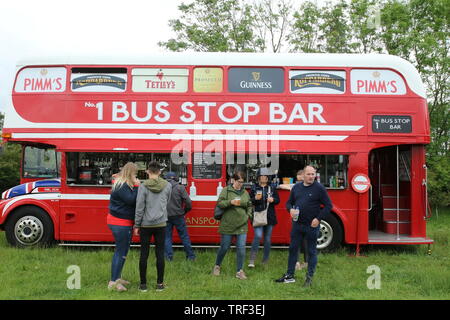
x=330, y=234
x=29, y=226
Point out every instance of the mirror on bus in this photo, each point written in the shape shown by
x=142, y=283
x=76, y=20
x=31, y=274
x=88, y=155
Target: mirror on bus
x=41, y=162
x=97, y=168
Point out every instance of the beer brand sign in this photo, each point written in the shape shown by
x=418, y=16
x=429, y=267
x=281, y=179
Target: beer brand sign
x=99, y=82
x=256, y=80
x=317, y=81
x=160, y=80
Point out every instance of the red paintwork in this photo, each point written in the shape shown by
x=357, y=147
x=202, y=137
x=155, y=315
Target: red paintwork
x=81, y=220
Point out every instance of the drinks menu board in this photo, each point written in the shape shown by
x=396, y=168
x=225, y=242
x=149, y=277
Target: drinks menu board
x=207, y=165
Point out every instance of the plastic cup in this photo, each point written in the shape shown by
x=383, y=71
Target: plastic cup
x=296, y=214
x=238, y=201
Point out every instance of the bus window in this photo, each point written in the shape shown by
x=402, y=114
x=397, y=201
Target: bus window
x=331, y=169
x=97, y=168
x=40, y=163
x=207, y=165
x=250, y=163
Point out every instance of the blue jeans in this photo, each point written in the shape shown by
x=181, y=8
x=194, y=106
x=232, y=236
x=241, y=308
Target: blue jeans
x=122, y=237
x=225, y=243
x=267, y=241
x=298, y=233
x=179, y=223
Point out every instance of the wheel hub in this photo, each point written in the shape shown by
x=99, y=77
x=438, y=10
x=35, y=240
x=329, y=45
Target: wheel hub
x=29, y=230
x=325, y=235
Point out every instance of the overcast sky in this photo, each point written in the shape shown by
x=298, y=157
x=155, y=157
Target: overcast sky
x=39, y=28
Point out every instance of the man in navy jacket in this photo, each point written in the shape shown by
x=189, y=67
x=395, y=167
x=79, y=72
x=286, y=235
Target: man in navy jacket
x=307, y=197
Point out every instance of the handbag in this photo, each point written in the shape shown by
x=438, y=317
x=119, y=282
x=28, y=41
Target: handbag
x=218, y=212
x=260, y=217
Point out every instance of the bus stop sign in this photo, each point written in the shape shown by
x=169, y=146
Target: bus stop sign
x=360, y=183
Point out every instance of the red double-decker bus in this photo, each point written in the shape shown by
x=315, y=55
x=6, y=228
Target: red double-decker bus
x=205, y=115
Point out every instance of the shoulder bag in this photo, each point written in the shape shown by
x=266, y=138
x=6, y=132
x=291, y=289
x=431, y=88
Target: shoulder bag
x=218, y=212
x=260, y=217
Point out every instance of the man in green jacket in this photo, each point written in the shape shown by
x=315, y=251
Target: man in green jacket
x=238, y=209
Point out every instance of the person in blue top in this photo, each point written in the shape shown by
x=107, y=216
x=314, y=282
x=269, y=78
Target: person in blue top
x=120, y=221
x=304, y=205
x=263, y=195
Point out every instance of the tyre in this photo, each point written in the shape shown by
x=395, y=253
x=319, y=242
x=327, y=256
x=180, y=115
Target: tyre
x=330, y=234
x=29, y=226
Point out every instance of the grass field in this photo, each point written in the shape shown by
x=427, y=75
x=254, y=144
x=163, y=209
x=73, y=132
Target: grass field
x=407, y=272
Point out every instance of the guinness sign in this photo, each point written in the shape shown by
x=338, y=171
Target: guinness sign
x=256, y=80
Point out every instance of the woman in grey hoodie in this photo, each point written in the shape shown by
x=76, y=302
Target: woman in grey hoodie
x=150, y=220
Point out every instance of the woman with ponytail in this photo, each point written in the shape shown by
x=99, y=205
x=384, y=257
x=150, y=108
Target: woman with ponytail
x=120, y=221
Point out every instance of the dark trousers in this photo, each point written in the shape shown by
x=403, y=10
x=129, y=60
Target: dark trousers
x=159, y=236
x=298, y=233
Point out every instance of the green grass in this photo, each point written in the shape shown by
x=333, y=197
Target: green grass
x=407, y=272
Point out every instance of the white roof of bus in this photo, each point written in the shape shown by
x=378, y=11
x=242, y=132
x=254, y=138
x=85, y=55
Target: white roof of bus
x=248, y=59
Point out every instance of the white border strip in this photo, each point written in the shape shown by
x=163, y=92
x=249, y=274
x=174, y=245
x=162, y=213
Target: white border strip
x=81, y=196
x=176, y=137
x=195, y=126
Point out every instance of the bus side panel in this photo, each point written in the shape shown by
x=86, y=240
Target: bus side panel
x=84, y=220
x=418, y=205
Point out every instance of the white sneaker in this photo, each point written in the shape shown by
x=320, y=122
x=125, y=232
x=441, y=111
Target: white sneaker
x=216, y=270
x=251, y=264
x=241, y=275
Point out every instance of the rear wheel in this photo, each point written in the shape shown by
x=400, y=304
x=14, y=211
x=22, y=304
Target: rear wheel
x=29, y=226
x=330, y=234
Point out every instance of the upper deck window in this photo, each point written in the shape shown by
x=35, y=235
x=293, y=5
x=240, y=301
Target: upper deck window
x=379, y=82
x=160, y=79
x=208, y=79
x=256, y=80
x=36, y=80
x=98, y=79
x=317, y=81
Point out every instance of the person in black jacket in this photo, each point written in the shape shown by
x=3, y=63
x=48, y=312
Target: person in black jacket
x=120, y=220
x=177, y=207
x=263, y=194
x=304, y=206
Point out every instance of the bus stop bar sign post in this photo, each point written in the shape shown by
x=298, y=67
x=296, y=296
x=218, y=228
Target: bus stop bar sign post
x=360, y=184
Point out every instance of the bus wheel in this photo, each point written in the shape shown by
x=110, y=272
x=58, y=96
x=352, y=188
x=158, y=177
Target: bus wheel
x=330, y=235
x=29, y=226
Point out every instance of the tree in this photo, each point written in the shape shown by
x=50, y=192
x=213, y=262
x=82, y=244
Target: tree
x=335, y=28
x=214, y=25
x=365, y=21
x=305, y=34
x=273, y=18
x=9, y=163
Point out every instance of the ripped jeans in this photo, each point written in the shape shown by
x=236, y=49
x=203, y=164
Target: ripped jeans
x=122, y=237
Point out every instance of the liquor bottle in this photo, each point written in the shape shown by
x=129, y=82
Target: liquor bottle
x=192, y=190
x=183, y=177
x=219, y=188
